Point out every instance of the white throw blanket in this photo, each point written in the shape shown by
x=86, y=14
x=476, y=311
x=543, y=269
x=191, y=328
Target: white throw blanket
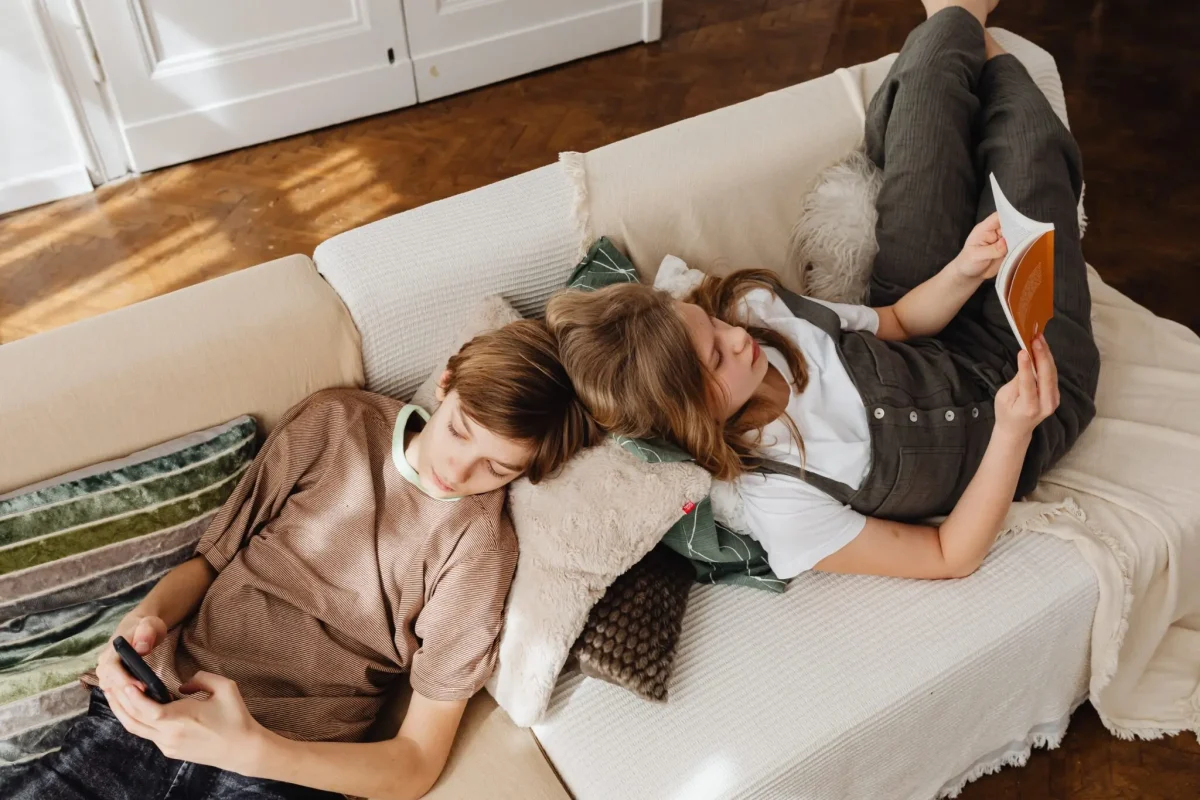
x=1130, y=497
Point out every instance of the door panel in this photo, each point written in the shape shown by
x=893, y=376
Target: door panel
x=461, y=44
x=194, y=77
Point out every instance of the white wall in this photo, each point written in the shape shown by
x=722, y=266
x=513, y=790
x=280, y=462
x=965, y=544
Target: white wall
x=40, y=159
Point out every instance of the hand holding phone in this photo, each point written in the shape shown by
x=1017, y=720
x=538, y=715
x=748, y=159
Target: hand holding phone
x=156, y=690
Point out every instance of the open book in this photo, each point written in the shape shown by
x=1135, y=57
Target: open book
x=1025, y=281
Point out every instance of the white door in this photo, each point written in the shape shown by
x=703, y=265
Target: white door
x=190, y=78
x=461, y=44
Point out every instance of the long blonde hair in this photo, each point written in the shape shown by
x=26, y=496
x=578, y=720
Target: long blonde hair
x=631, y=359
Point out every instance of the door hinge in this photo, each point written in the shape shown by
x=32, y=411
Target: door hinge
x=85, y=41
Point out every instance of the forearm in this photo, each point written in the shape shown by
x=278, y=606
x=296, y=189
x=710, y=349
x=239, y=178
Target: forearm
x=178, y=594
x=396, y=769
x=969, y=532
x=928, y=309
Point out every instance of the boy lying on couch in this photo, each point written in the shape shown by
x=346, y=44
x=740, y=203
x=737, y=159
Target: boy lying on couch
x=366, y=540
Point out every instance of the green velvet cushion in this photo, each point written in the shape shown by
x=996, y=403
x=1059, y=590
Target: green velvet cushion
x=78, y=552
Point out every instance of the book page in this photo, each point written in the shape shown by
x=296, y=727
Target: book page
x=1015, y=226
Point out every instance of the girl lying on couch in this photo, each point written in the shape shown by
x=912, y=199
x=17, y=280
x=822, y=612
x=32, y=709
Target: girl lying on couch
x=842, y=424
x=367, y=540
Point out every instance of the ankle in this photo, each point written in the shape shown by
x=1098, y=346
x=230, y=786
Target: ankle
x=976, y=8
x=992, y=47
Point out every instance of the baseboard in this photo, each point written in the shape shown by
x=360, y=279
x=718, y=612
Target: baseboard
x=43, y=187
x=260, y=118
x=487, y=61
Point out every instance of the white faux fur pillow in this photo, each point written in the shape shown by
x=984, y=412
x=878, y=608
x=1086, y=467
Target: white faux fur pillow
x=833, y=246
x=578, y=531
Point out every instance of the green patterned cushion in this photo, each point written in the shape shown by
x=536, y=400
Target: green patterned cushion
x=603, y=266
x=718, y=554
x=79, y=551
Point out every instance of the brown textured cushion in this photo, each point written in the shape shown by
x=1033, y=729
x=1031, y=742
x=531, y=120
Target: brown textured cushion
x=630, y=636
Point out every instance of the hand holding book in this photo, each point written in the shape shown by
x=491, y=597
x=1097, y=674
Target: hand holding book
x=984, y=251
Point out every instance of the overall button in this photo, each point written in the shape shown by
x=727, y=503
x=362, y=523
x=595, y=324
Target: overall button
x=975, y=413
x=879, y=413
x=912, y=416
x=949, y=416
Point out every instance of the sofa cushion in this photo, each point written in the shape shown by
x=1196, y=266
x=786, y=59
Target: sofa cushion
x=844, y=686
x=254, y=342
x=79, y=551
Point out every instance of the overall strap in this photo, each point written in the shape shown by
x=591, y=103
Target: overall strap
x=827, y=320
x=835, y=489
x=810, y=311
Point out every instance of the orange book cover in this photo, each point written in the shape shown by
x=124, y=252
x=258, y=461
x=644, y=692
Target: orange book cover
x=1030, y=294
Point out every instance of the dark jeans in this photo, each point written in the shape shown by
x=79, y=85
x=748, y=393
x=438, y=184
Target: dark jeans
x=946, y=117
x=100, y=760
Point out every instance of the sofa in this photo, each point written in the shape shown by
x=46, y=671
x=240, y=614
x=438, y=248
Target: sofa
x=843, y=686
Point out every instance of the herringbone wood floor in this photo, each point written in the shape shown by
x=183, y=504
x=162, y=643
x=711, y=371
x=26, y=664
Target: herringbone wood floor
x=1132, y=76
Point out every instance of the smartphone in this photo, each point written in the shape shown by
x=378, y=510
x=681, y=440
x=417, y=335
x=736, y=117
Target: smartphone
x=136, y=666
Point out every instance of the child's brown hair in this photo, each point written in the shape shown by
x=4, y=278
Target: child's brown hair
x=511, y=382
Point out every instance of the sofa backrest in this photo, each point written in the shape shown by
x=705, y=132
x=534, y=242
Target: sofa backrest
x=724, y=190
x=254, y=342
x=409, y=280
x=727, y=182
x=721, y=190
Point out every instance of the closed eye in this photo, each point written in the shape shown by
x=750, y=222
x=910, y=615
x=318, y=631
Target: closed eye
x=715, y=360
x=453, y=431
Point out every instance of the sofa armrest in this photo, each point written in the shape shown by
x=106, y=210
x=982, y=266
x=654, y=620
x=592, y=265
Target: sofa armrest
x=253, y=342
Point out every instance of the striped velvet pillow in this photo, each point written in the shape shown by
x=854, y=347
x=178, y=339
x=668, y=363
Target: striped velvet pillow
x=79, y=551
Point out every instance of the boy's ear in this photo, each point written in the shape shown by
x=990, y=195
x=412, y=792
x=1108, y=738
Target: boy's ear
x=443, y=382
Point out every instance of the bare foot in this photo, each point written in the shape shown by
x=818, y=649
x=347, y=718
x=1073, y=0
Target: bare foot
x=978, y=8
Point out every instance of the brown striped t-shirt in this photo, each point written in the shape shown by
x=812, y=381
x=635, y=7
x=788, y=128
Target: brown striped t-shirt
x=336, y=575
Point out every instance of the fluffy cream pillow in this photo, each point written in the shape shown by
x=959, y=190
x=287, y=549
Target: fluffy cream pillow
x=578, y=531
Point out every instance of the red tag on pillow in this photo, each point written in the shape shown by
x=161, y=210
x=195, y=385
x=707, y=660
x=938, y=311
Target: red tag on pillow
x=689, y=507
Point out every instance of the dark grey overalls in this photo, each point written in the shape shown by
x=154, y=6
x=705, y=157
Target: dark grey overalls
x=943, y=119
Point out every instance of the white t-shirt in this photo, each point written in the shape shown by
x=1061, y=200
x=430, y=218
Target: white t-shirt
x=798, y=524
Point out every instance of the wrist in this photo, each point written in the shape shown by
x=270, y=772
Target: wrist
x=260, y=750
x=958, y=273
x=1011, y=440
